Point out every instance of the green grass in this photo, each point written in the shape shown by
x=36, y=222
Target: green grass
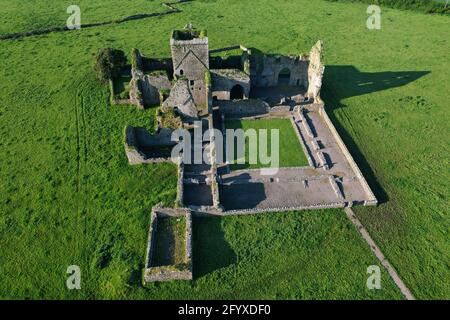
x=68, y=196
x=427, y=6
x=20, y=16
x=290, y=150
x=170, y=241
x=122, y=87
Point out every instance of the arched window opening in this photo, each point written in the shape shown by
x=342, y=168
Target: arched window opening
x=237, y=93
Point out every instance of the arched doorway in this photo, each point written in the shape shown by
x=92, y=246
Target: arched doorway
x=237, y=93
x=284, y=77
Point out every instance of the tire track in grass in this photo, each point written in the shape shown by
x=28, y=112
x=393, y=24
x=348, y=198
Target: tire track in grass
x=82, y=154
x=171, y=10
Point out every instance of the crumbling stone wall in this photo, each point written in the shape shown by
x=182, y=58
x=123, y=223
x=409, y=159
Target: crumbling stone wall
x=138, y=141
x=136, y=91
x=265, y=70
x=131, y=147
x=162, y=138
x=153, y=64
x=223, y=81
x=137, y=74
x=145, y=89
x=151, y=86
x=243, y=108
x=316, y=70
x=168, y=273
x=182, y=99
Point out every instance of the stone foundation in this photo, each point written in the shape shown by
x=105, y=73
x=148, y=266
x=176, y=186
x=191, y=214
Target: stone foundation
x=172, y=272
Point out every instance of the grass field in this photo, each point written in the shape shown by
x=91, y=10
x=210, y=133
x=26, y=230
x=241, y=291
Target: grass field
x=290, y=150
x=425, y=6
x=68, y=196
x=19, y=16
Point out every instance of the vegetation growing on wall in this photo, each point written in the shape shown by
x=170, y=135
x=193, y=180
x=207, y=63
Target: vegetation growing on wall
x=208, y=80
x=163, y=94
x=135, y=55
x=203, y=34
x=168, y=119
x=246, y=61
x=189, y=33
x=257, y=58
x=108, y=64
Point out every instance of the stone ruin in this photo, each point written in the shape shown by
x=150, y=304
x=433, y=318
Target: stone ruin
x=181, y=82
x=157, y=271
x=196, y=86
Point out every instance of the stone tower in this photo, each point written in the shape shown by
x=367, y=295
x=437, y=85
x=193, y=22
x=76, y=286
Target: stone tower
x=190, y=56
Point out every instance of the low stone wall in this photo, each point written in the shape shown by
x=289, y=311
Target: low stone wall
x=280, y=111
x=133, y=147
x=113, y=99
x=323, y=160
x=373, y=200
x=243, y=108
x=162, y=138
x=316, y=145
x=151, y=239
x=303, y=143
x=305, y=123
x=180, y=185
x=336, y=188
x=172, y=272
x=213, y=160
x=342, y=204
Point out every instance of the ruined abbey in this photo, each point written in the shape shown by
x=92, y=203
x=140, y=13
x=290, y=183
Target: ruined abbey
x=196, y=86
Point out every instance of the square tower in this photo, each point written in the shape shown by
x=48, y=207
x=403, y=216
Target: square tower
x=190, y=56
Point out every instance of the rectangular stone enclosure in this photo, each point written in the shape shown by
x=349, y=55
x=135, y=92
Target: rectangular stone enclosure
x=169, y=252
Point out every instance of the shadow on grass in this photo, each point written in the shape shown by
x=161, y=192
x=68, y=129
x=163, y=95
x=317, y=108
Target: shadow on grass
x=341, y=82
x=210, y=246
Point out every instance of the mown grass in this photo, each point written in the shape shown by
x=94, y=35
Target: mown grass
x=289, y=153
x=68, y=196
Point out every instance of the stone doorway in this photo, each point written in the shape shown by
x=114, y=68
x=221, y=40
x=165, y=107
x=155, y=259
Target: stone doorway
x=284, y=77
x=237, y=93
